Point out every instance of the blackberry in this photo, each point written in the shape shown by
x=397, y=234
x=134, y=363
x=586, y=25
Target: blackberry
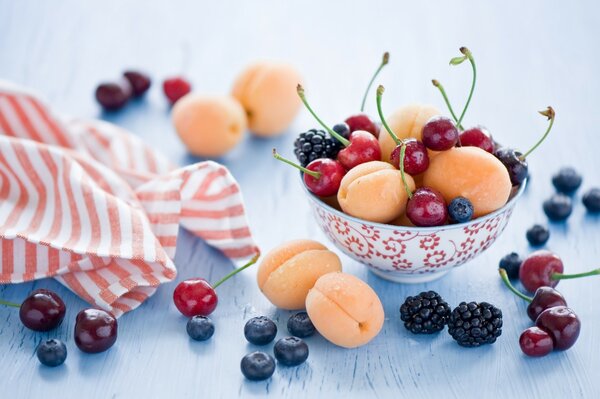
x=315, y=144
x=558, y=207
x=425, y=313
x=567, y=180
x=511, y=263
x=537, y=235
x=475, y=324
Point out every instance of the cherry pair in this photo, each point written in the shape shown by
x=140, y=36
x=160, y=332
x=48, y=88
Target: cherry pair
x=556, y=327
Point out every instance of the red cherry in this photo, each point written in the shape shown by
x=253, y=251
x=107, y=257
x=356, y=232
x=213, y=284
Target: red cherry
x=537, y=269
x=562, y=324
x=477, y=136
x=544, y=298
x=95, y=330
x=114, y=95
x=175, y=88
x=416, y=158
x=42, y=310
x=427, y=208
x=195, y=297
x=140, y=82
x=362, y=122
x=322, y=176
x=363, y=147
x=439, y=134
x=536, y=342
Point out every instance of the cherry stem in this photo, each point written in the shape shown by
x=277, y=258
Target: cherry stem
x=550, y=114
x=337, y=136
x=510, y=286
x=469, y=56
x=447, y=101
x=560, y=276
x=402, y=156
x=236, y=271
x=12, y=304
x=380, y=91
x=313, y=173
x=384, y=61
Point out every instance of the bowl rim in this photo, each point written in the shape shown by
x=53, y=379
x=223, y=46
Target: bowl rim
x=509, y=204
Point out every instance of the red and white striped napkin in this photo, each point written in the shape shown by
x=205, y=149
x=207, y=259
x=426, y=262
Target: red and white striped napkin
x=93, y=206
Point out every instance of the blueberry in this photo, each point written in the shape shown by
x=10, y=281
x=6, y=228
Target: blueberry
x=260, y=330
x=567, y=180
x=257, y=366
x=537, y=235
x=200, y=328
x=52, y=353
x=291, y=351
x=558, y=207
x=460, y=209
x=511, y=263
x=299, y=325
x=342, y=129
x=591, y=200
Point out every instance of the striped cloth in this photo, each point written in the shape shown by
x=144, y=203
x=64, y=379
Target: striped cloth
x=93, y=206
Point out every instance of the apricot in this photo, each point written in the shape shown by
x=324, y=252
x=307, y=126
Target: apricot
x=267, y=91
x=209, y=125
x=345, y=310
x=472, y=173
x=374, y=191
x=406, y=121
x=287, y=272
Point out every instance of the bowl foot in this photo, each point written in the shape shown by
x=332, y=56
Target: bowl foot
x=409, y=278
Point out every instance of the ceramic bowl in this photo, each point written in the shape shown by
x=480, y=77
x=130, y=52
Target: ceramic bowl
x=411, y=254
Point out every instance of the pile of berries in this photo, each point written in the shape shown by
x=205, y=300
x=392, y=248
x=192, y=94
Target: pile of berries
x=560, y=205
x=471, y=324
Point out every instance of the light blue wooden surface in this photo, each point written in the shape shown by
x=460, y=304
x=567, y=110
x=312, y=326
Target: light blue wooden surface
x=530, y=55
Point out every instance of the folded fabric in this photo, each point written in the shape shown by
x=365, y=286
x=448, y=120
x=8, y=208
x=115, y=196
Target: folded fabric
x=96, y=208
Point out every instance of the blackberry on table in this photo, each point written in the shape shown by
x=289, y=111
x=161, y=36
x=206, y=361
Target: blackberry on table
x=315, y=144
x=425, y=313
x=474, y=324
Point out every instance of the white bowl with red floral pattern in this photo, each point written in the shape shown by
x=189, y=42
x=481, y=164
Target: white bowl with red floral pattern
x=411, y=254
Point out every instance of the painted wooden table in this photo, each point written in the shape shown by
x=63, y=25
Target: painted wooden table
x=530, y=55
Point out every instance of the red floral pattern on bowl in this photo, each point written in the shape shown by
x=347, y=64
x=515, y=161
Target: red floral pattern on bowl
x=411, y=254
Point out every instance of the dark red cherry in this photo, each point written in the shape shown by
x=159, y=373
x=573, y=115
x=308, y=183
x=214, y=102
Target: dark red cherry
x=362, y=122
x=175, y=88
x=113, y=95
x=544, y=298
x=536, y=342
x=427, y=208
x=95, y=330
x=416, y=158
x=140, y=82
x=515, y=165
x=477, y=136
x=439, y=134
x=537, y=270
x=562, y=324
x=42, y=310
x=195, y=297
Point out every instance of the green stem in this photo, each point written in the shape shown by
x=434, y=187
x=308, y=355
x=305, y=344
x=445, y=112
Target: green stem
x=385, y=59
x=380, y=91
x=236, y=271
x=510, y=286
x=469, y=56
x=337, y=136
x=313, y=173
x=550, y=114
x=12, y=304
x=560, y=276
x=402, y=155
x=447, y=101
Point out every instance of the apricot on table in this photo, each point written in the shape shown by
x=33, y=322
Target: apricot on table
x=374, y=191
x=209, y=125
x=267, y=91
x=472, y=173
x=406, y=122
x=345, y=310
x=287, y=272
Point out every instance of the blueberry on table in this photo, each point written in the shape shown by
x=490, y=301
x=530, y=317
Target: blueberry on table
x=291, y=351
x=260, y=330
x=567, y=180
x=257, y=366
x=300, y=325
x=426, y=313
x=474, y=324
x=537, y=235
x=460, y=210
x=591, y=200
x=511, y=263
x=558, y=207
x=200, y=328
x=52, y=352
